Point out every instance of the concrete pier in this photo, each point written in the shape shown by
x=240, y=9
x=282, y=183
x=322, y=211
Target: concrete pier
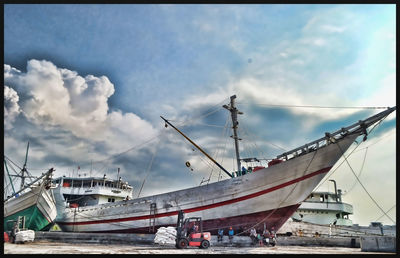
x=378, y=244
x=96, y=238
x=238, y=241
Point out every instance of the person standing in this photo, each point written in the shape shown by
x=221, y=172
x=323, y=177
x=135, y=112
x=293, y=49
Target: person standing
x=220, y=234
x=253, y=236
x=230, y=234
x=273, y=236
x=266, y=236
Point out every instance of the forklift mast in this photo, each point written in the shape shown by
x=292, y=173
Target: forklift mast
x=180, y=224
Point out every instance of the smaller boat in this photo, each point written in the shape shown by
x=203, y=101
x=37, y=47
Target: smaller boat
x=33, y=201
x=325, y=208
x=325, y=214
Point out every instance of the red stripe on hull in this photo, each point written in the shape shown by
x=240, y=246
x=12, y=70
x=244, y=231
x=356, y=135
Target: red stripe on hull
x=272, y=218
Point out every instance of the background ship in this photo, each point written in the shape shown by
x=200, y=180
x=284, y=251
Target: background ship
x=80, y=192
x=325, y=208
x=262, y=197
x=325, y=214
x=34, y=201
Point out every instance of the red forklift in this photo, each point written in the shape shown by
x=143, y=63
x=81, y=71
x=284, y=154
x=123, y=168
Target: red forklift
x=189, y=232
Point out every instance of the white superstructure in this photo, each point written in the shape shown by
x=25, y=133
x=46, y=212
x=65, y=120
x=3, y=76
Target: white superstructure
x=79, y=192
x=324, y=208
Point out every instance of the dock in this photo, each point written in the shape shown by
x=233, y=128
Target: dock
x=367, y=244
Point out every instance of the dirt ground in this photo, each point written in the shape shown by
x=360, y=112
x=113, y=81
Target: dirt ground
x=43, y=247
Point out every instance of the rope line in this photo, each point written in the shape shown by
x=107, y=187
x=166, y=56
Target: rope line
x=359, y=173
x=148, y=169
x=385, y=213
x=308, y=106
x=364, y=186
x=358, y=144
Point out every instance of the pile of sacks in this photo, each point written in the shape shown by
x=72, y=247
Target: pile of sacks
x=24, y=236
x=165, y=235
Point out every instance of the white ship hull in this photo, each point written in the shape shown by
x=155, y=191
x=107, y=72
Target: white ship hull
x=37, y=205
x=270, y=195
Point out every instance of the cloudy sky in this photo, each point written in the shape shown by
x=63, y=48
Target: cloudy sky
x=86, y=85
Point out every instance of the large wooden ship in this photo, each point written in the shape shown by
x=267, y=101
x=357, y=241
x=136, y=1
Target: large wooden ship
x=265, y=196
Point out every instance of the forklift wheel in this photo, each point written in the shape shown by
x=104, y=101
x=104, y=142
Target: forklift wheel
x=204, y=244
x=182, y=243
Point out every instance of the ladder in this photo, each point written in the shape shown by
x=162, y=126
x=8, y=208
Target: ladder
x=152, y=220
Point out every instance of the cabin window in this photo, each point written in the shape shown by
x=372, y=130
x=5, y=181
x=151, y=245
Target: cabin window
x=66, y=183
x=86, y=184
x=321, y=198
x=111, y=200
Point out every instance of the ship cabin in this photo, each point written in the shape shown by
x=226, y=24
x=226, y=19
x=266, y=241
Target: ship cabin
x=87, y=191
x=324, y=208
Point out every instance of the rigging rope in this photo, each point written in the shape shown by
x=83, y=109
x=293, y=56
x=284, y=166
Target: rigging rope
x=218, y=105
x=226, y=141
x=308, y=106
x=363, y=185
x=359, y=173
x=12, y=162
x=263, y=140
x=149, y=167
x=385, y=213
x=216, y=154
x=380, y=139
x=358, y=144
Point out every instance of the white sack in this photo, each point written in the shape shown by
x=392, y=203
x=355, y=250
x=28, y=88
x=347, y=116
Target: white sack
x=24, y=236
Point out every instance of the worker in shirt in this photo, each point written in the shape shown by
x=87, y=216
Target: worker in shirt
x=244, y=171
x=194, y=228
x=253, y=236
x=230, y=234
x=220, y=234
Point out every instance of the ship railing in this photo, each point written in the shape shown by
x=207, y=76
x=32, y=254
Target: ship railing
x=359, y=127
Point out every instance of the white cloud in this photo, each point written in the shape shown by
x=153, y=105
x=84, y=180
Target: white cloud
x=61, y=98
x=10, y=72
x=127, y=130
x=330, y=21
x=332, y=29
x=11, y=107
x=319, y=42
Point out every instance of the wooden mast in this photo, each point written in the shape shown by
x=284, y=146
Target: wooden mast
x=234, y=112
